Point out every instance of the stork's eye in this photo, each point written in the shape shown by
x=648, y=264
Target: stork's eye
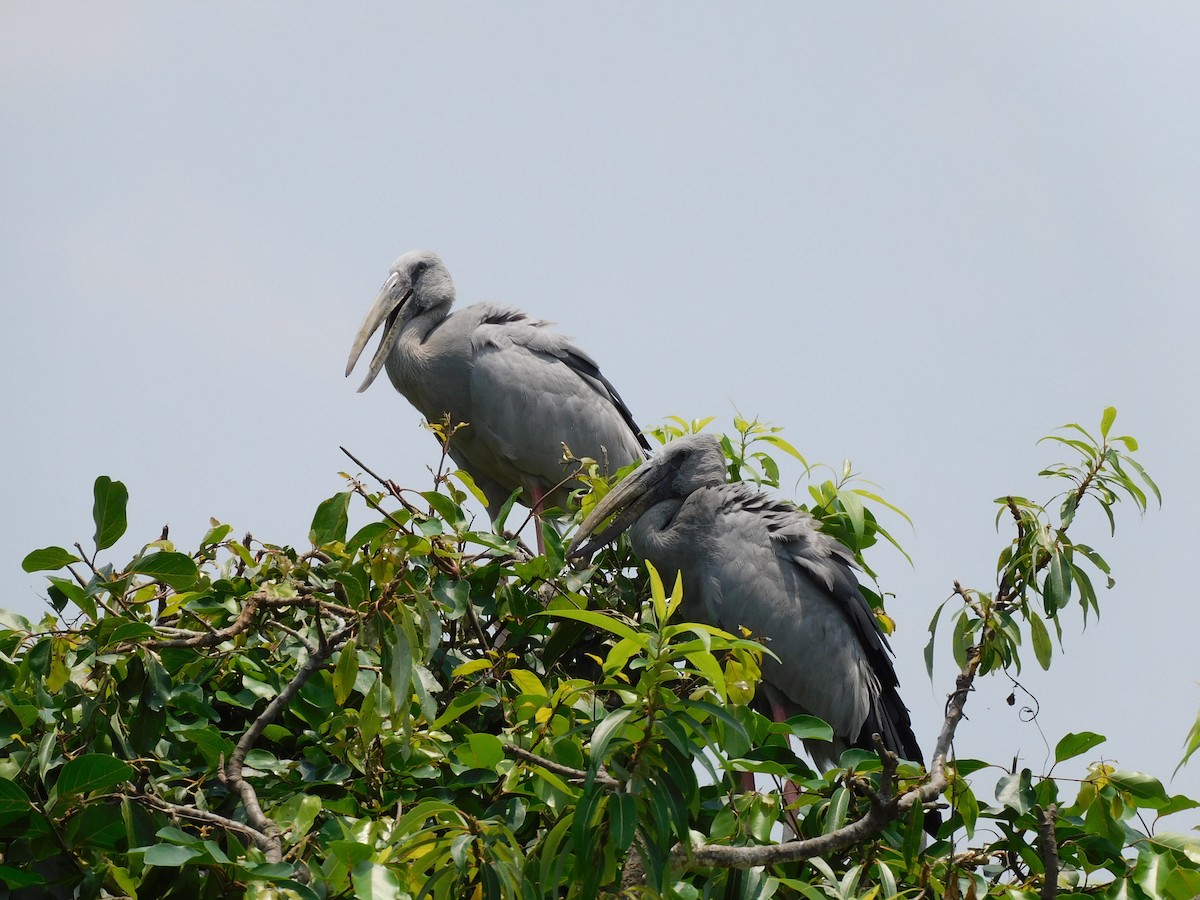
x=418, y=268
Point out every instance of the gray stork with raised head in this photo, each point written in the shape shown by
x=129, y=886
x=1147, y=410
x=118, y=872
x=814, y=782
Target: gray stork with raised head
x=523, y=389
x=750, y=561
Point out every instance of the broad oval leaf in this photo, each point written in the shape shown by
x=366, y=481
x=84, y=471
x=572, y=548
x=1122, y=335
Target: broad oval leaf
x=92, y=772
x=14, y=802
x=1071, y=745
x=174, y=569
x=331, y=520
x=375, y=882
x=108, y=511
x=169, y=855
x=48, y=559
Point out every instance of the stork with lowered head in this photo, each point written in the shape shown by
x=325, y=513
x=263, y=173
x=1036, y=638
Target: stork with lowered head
x=750, y=561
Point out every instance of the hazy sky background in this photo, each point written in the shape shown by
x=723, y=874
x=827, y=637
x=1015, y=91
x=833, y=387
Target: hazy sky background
x=919, y=236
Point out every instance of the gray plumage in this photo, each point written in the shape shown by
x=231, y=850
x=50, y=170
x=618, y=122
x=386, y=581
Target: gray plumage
x=523, y=389
x=754, y=562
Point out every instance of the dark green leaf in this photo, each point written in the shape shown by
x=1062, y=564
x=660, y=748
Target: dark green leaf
x=170, y=855
x=1042, y=647
x=1147, y=790
x=1057, y=589
x=14, y=803
x=92, y=772
x=17, y=878
x=1072, y=745
x=368, y=533
x=48, y=559
x=173, y=569
x=331, y=520
x=467, y=700
x=1016, y=791
x=451, y=513
x=108, y=511
x=622, y=811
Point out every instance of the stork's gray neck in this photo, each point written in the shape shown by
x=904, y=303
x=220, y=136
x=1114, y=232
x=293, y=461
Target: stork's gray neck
x=654, y=537
x=411, y=358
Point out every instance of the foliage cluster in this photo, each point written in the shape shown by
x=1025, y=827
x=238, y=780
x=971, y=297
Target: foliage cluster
x=423, y=708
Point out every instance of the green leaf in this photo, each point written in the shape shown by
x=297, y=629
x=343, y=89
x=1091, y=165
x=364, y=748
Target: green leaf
x=967, y=806
x=14, y=802
x=1042, y=647
x=1106, y=420
x=1147, y=790
x=604, y=733
x=368, y=533
x=1016, y=791
x=373, y=881
x=808, y=728
x=170, y=855
x=1072, y=745
x=467, y=700
x=331, y=520
x=482, y=751
x=527, y=682
x=92, y=772
x=1145, y=477
x=48, y=559
x=469, y=483
x=447, y=509
x=855, y=511
x=108, y=511
x=1057, y=589
x=173, y=569
x=1187, y=844
x=622, y=812
x=933, y=623
x=18, y=878
x=346, y=672
x=1192, y=743
x=597, y=620
x=839, y=805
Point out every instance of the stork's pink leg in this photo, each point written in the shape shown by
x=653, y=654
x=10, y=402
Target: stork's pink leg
x=538, y=496
x=791, y=793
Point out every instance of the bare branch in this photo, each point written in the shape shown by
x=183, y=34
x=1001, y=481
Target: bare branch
x=1048, y=847
x=212, y=638
x=201, y=815
x=577, y=775
x=233, y=768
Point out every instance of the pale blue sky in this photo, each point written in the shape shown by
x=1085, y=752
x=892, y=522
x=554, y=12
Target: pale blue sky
x=919, y=236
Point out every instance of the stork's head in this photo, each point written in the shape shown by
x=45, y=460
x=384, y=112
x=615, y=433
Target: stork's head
x=682, y=466
x=418, y=283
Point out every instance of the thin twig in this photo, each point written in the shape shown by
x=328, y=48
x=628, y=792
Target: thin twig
x=579, y=775
x=201, y=815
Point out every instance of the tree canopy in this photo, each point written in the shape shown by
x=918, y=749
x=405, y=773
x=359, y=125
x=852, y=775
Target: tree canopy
x=425, y=708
